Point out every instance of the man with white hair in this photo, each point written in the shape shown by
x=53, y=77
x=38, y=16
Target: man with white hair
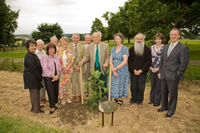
x=139, y=61
x=40, y=52
x=98, y=55
x=88, y=41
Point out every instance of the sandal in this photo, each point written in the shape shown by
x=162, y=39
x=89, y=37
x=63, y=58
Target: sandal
x=120, y=102
x=116, y=100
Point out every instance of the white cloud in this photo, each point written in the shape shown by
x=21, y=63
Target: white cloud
x=72, y=15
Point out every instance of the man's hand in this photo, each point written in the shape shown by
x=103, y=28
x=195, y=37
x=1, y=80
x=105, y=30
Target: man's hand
x=159, y=75
x=137, y=72
x=77, y=68
x=80, y=63
x=105, y=65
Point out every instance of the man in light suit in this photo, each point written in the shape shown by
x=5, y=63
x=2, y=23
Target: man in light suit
x=97, y=54
x=88, y=41
x=174, y=61
x=79, y=52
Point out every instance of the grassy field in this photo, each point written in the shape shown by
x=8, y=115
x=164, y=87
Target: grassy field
x=194, y=46
x=19, y=125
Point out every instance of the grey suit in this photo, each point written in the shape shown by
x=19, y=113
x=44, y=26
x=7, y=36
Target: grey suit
x=171, y=70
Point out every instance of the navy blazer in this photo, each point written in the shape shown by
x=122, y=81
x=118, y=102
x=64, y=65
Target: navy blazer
x=32, y=71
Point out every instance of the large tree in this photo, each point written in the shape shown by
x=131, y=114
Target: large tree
x=152, y=16
x=46, y=31
x=8, y=23
x=97, y=25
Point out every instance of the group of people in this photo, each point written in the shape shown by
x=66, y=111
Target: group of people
x=59, y=69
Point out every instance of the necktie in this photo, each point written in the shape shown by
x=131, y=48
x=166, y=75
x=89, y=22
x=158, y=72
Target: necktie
x=97, y=57
x=170, y=49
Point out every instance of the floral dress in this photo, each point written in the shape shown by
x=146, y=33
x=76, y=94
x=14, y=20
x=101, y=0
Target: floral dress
x=119, y=85
x=66, y=57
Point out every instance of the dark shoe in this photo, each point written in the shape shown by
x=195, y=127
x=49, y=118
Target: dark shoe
x=130, y=103
x=169, y=114
x=74, y=98
x=161, y=110
x=51, y=112
x=41, y=111
x=150, y=102
x=156, y=104
x=56, y=108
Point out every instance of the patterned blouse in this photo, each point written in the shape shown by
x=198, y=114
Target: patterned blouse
x=156, y=55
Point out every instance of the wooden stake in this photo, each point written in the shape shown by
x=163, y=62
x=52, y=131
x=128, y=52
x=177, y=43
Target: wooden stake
x=81, y=84
x=109, y=84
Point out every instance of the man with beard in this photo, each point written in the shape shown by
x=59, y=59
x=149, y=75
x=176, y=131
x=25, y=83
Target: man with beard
x=139, y=62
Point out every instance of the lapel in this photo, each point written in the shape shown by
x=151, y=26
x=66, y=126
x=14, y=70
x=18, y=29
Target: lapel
x=100, y=53
x=174, y=49
x=79, y=50
x=165, y=52
x=92, y=51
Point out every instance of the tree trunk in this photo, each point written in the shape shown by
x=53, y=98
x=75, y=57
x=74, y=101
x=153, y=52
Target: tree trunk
x=129, y=40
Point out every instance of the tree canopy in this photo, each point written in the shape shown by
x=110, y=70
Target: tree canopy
x=97, y=25
x=46, y=31
x=8, y=23
x=152, y=16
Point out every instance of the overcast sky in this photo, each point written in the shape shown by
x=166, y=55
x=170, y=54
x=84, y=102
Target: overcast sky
x=72, y=15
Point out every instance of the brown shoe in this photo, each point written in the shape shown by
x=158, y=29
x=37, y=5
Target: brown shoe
x=74, y=98
x=79, y=97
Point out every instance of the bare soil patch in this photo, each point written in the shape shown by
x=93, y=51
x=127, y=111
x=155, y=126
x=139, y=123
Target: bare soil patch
x=15, y=102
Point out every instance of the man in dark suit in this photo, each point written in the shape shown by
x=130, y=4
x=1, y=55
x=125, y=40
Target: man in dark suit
x=174, y=61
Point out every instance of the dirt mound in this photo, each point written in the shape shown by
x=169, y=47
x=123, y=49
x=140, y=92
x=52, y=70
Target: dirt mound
x=74, y=113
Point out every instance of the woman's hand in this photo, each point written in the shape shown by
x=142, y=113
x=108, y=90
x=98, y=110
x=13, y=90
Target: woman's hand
x=55, y=78
x=115, y=74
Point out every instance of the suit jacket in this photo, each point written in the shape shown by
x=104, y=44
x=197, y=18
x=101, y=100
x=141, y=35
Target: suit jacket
x=81, y=55
x=173, y=67
x=103, y=55
x=32, y=72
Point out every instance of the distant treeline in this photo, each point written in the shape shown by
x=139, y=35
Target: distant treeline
x=65, y=34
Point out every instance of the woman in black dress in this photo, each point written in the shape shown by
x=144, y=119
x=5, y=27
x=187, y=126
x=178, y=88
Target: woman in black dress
x=33, y=76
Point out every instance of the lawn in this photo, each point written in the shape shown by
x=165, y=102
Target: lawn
x=194, y=46
x=19, y=125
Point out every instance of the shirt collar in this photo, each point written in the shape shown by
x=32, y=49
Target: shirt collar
x=75, y=44
x=175, y=43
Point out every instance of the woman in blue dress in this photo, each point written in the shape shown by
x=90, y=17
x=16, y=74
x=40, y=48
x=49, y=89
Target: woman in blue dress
x=119, y=68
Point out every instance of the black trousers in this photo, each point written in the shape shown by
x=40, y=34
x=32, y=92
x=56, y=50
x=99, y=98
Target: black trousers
x=155, y=94
x=52, y=91
x=137, y=88
x=35, y=100
x=171, y=88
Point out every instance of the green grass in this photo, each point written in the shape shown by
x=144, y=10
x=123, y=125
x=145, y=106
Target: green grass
x=9, y=65
x=17, y=125
x=193, y=45
x=192, y=72
x=14, y=54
